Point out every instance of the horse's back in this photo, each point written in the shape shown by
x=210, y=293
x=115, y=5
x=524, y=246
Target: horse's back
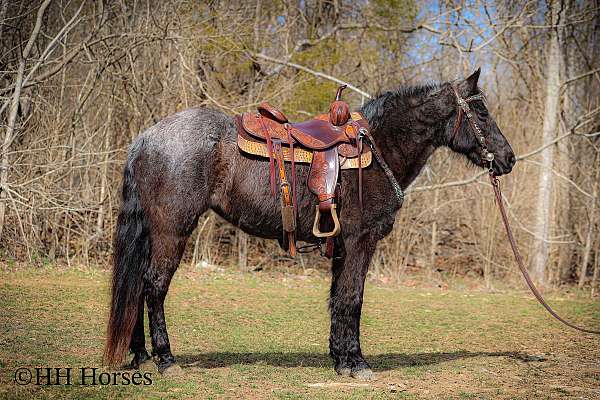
x=185, y=135
x=175, y=161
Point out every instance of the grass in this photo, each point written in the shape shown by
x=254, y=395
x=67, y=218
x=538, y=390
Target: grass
x=265, y=336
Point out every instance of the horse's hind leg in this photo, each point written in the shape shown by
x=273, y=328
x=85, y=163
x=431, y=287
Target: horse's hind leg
x=167, y=249
x=138, y=340
x=172, y=221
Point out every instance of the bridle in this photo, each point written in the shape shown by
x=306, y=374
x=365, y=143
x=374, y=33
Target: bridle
x=488, y=158
x=464, y=108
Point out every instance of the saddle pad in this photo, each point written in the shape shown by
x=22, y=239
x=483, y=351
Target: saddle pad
x=254, y=147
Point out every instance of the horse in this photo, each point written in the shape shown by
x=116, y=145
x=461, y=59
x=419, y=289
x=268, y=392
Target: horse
x=189, y=163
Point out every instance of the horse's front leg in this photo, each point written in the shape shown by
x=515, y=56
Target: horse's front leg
x=345, y=302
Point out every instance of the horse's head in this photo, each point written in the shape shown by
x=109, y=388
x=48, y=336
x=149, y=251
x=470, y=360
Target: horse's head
x=470, y=129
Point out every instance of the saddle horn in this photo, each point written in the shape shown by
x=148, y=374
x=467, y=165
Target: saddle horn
x=338, y=95
x=339, y=112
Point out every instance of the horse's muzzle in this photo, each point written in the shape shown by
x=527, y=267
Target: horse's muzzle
x=504, y=164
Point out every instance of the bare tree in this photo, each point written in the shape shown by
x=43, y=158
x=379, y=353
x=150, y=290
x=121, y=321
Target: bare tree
x=550, y=128
x=101, y=72
x=14, y=108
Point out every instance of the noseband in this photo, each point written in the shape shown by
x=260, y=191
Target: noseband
x=464, y=108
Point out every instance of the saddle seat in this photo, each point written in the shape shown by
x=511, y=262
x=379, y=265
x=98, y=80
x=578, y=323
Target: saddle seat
x=317, y=133
x=329, y=142
x=314, y=134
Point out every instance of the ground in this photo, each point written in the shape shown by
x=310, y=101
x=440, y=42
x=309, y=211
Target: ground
x=265, y=335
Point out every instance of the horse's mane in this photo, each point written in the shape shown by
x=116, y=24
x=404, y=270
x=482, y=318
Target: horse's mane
x=396, y=99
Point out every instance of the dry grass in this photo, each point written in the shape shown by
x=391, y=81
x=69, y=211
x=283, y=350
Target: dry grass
x=265, y=335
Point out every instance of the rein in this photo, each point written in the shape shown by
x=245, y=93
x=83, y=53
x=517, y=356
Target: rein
x=519, y=259
x=488, y=157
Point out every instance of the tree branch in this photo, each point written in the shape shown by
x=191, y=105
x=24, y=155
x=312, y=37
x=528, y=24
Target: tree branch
x=312, y=72
x=575, y=78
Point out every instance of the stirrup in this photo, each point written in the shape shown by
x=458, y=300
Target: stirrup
x=336, y=224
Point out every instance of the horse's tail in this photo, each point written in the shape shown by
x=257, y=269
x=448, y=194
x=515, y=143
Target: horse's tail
x=132, y=249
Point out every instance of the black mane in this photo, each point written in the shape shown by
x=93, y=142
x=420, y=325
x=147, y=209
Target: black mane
x=399, y=99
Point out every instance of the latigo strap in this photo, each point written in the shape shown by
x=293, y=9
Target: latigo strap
x=288, y=216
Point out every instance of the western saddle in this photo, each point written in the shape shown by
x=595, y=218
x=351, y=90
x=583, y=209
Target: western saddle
x=329, y=142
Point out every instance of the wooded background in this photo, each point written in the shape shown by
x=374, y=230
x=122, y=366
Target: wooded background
x=80, y=79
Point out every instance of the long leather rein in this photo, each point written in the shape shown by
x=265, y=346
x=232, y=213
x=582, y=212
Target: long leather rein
x=464, y=108
x=519, y=259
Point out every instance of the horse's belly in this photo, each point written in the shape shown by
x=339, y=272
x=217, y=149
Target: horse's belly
x=246, y=199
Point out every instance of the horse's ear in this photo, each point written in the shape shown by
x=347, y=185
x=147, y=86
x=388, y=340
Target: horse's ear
x=468, y=87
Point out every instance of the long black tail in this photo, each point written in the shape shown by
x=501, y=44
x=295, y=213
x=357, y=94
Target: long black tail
x=132, y=249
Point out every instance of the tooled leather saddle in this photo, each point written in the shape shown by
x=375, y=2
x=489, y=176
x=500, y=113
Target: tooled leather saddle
x=328, y=142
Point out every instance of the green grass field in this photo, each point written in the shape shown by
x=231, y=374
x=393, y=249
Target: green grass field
x=265, y=336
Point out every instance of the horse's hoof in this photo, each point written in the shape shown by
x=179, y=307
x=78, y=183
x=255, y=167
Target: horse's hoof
x=364, y=374
x=139, y=360
x=172, y=370
x=344, y=371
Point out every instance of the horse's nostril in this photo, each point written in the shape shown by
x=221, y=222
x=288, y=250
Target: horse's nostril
x=512, y=160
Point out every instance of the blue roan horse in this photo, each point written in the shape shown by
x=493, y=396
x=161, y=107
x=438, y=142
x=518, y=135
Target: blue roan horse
x=189, y=163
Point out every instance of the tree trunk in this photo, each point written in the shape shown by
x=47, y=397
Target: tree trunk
x=589, y=239
x=10, y=129
x=102, y=209
x=541, y=248
x=13, y=112
x=596, y=274
x=565, y=161
x=3, y=10
x=242, y=242
x=434, y=240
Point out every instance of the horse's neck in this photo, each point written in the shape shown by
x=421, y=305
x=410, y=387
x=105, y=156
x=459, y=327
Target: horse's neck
x=406, y=155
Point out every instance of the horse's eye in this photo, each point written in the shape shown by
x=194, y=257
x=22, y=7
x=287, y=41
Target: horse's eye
x=481, y=109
